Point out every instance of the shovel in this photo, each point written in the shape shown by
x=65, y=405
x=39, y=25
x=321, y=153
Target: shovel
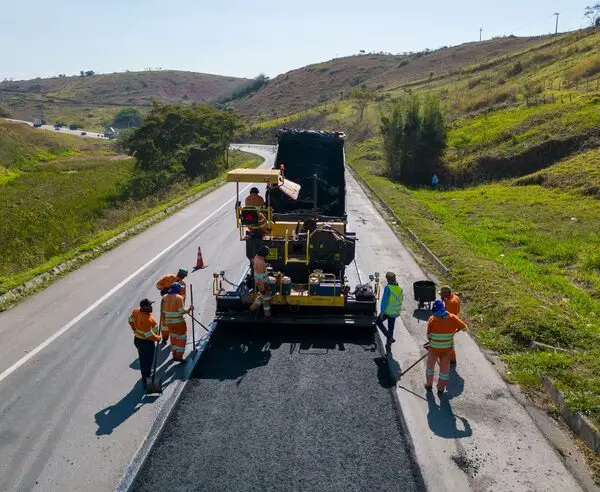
x=154, y=386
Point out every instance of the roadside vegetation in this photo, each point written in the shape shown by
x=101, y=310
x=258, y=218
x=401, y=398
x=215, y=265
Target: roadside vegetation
x=517, y=218
x=62, y=195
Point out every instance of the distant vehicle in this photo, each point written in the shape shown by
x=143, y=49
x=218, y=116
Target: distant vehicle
x=72, y=127
x=110, y=133
x=37, y=123
x=83, y=134
x=57, y=127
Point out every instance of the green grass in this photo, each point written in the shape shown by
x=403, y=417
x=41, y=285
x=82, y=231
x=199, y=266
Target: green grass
x=57, y=210
x=526, y=261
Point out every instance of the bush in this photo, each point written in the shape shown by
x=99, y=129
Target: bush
x=584, y=69
x=414, y=139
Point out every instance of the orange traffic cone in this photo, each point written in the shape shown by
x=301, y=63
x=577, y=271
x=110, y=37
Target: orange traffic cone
x=199, y=261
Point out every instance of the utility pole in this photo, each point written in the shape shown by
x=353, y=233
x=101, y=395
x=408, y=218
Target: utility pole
x=556, y=14
x=480, y=31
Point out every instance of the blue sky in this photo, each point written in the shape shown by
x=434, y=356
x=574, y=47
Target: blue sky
x=247, y=37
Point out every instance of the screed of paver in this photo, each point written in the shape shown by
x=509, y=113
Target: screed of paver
x=285, y=409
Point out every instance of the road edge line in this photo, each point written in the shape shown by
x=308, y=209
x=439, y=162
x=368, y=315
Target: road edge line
x=143, y=452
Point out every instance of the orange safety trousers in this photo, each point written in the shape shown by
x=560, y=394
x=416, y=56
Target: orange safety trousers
x=443, y=359
x=178, y=334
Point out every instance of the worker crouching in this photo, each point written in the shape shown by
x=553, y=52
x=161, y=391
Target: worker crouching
x=173, y=311
x=263, y=293
x=391, y=303
x=145, y=332
x=441, y=328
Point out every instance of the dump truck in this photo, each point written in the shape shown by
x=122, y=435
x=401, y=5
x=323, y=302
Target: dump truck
x=306, y=231
x=301, y=400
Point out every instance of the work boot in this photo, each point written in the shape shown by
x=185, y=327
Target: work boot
x=440, y=391
x=428, y=388
x=453, y=363
x=165, y=340
x=178, y=359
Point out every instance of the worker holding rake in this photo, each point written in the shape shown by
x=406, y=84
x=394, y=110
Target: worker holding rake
x=145, y=331
x=441, y=328
x=173, y=311
x=164, y=284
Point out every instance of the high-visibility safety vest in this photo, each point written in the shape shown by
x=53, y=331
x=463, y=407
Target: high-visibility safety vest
x=143, y=324
x=394, y=301
x=173, y=309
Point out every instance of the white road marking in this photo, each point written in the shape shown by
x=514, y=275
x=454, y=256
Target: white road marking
x=124, y=282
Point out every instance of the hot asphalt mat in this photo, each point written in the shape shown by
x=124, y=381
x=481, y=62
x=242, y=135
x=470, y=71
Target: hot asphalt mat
x=283, y=408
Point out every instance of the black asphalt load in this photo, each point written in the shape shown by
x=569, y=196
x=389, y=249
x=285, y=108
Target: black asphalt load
x=297, y=409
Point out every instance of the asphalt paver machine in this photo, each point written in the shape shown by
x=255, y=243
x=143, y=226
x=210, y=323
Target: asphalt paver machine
x=304, y=224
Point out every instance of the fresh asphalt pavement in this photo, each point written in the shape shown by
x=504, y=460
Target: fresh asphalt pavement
x=73, y=415
x=285, y=408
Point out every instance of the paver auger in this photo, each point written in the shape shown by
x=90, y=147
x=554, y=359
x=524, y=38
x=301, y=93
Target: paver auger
x=304, y=225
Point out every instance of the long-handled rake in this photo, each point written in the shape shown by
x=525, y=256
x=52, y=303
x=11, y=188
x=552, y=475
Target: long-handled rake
x=402, y=373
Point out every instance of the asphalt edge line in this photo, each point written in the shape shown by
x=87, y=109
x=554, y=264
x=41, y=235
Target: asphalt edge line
x=582, y=478
x=143, y=452
x=408, y=434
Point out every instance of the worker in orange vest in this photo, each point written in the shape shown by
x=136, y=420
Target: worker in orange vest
x=261, y=286
x=173, y=311
x=441, y=328
x=452, y=303
x=254, y=199
x=145, y=333
x=163, y=285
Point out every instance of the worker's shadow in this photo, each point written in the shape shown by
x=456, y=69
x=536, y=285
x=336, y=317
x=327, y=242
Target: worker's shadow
x=456, y=384
x=443, y=422
x=111, y=417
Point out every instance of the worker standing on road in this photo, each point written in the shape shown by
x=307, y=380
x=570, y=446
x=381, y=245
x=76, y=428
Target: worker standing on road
x=452, y=303
x=391, y=303
x=164, y=285
x=261, y=287
x=145, y=331
x=441, y=328
x=173, y=306
x=254, y=199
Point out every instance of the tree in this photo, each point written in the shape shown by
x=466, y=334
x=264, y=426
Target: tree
x=361, y=101
x=592, y=12
x=81, y=73
x=90, y=73
x=128, y=118
x=414, y=139
x=181, y=140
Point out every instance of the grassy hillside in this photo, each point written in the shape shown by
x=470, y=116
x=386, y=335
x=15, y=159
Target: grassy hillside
x=92, y=100
x=60, y=195
x=303, y=88
x=518, y=216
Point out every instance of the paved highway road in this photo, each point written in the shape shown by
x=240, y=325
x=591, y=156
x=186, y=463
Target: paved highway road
x=73, y=415
x=65, y=130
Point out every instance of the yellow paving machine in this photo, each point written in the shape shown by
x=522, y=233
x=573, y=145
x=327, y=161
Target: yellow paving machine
x=303, y=222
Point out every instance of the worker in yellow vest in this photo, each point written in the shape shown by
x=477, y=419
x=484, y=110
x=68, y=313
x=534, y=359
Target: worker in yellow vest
x=389, y=310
